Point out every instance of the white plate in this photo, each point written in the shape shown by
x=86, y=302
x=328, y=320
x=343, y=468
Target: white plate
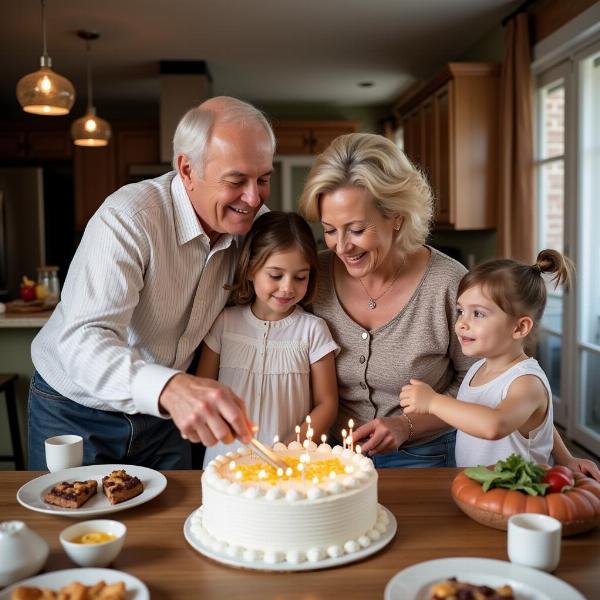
x=221, y=557
x=31, y=495
x=136, y=590
x=528, y=584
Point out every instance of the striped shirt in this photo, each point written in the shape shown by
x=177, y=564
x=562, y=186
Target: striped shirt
x=142, y=291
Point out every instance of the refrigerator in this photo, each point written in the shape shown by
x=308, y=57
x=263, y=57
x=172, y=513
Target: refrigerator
x=22, y=227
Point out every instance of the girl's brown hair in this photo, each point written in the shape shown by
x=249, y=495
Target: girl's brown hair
x=272, y=232
x=517, y=288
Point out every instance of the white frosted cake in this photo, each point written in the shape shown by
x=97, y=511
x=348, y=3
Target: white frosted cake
x=324, y=505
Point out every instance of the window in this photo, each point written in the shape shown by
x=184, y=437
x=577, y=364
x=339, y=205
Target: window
x=588, y=331
x=550, y=184
x=567, y=170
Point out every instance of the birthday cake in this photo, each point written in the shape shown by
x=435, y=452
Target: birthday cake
x=323, y=505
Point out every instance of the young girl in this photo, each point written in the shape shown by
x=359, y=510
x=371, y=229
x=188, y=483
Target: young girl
x=272, y=353
x=504, y=403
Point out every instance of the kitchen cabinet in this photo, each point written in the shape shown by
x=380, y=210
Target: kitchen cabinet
x=450, y=131
x=101, y=171
x=309, y=137
x=35, y=145
x=135, y=146
x=94, y=180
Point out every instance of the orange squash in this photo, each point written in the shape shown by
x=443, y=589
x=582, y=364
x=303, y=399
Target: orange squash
x=578, y=509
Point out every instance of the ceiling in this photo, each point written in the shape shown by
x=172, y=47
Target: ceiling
x=266, y=51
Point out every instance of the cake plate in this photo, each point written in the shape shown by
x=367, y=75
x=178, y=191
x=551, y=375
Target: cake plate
x=326, y=563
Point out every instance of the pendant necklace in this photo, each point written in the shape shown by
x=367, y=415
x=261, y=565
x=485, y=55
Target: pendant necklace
x=373, y=301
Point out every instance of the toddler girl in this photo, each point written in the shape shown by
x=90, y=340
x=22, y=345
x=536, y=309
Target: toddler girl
x=504, y=403
x=266, y=348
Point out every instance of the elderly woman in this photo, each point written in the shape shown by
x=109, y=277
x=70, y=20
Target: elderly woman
x=389, y=299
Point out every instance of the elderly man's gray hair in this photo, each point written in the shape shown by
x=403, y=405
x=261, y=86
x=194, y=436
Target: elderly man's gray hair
x=194, y=130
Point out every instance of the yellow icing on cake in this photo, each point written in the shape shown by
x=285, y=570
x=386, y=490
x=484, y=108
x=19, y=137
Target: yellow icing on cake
x=321, y=469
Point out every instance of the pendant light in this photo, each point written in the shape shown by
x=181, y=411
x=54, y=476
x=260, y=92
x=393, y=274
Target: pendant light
x=90, y=130
x=45, y=92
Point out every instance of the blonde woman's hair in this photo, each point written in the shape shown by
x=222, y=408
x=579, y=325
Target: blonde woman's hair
x=376, y=164
x=518, y=288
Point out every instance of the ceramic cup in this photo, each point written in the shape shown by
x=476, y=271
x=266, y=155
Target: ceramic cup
x=534, y=540
x=64, y=452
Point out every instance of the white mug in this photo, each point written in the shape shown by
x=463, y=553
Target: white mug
x=64, y=452
x=534, y=540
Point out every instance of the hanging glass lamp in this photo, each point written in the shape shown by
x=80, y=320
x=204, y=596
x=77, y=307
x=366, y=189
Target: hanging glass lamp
x=90, y=130
x=45, y=92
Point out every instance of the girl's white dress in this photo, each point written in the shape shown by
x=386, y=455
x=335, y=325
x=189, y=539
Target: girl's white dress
x=472, y=451
x=267, y=364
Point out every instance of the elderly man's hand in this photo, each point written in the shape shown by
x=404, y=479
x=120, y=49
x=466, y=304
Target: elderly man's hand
x=382, y=435
x=205, y=410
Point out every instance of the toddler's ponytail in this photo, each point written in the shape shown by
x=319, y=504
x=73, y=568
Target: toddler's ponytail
x=554, y=263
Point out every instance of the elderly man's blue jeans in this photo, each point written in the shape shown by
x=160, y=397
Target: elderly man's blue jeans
x=108, y=437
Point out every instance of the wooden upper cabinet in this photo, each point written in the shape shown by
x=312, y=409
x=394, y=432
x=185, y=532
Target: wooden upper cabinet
x=36, y=145
x=309, y=137
x=94, y=180
x=450, y=127
x=101, y=171
x=50, y=145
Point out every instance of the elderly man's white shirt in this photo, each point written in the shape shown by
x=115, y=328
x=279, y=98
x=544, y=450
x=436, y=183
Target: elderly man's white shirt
x=142, y=291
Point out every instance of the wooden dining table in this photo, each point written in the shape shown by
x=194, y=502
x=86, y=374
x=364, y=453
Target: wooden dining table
x=430, y=526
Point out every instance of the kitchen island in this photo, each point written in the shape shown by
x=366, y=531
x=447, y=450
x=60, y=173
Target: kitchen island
x=17, y=331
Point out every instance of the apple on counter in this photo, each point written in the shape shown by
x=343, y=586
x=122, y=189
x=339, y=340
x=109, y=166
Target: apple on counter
x=27, y=289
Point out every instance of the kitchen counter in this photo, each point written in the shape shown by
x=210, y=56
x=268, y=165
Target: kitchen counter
x=25, y=319
x=17, y=331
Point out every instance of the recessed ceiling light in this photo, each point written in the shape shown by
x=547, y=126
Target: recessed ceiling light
x=366, y=84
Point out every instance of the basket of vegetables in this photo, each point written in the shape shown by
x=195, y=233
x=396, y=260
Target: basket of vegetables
x=490, y=495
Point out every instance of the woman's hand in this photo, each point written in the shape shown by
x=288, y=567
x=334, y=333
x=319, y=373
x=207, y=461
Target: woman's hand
x=416, y=397
x=382, y=435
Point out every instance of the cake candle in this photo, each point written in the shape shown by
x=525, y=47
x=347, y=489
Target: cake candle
x=351, y=426
x=297, y=433
x=300, y=468
x=344, y=434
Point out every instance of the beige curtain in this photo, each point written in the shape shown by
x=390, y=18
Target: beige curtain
x=516, y=210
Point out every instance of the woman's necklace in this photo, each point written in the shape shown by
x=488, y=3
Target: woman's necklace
x=373, y=301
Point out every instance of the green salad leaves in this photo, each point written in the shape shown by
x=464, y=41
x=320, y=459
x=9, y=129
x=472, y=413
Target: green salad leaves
x=514, y=473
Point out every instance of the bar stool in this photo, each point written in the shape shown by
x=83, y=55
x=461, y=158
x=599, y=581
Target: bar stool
x=7, y=385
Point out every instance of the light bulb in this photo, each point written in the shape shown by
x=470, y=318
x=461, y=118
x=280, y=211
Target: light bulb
x=46, y=84
x=90, y=125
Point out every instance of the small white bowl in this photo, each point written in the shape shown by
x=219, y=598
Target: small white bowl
x=93, y=555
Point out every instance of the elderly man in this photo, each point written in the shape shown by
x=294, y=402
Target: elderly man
x=144, y=287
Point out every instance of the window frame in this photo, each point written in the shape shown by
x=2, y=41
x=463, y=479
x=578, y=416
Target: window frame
x=562, y=53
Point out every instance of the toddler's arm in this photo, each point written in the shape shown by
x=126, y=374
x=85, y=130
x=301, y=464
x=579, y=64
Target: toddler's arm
x=526, y=395
x=562, y=456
